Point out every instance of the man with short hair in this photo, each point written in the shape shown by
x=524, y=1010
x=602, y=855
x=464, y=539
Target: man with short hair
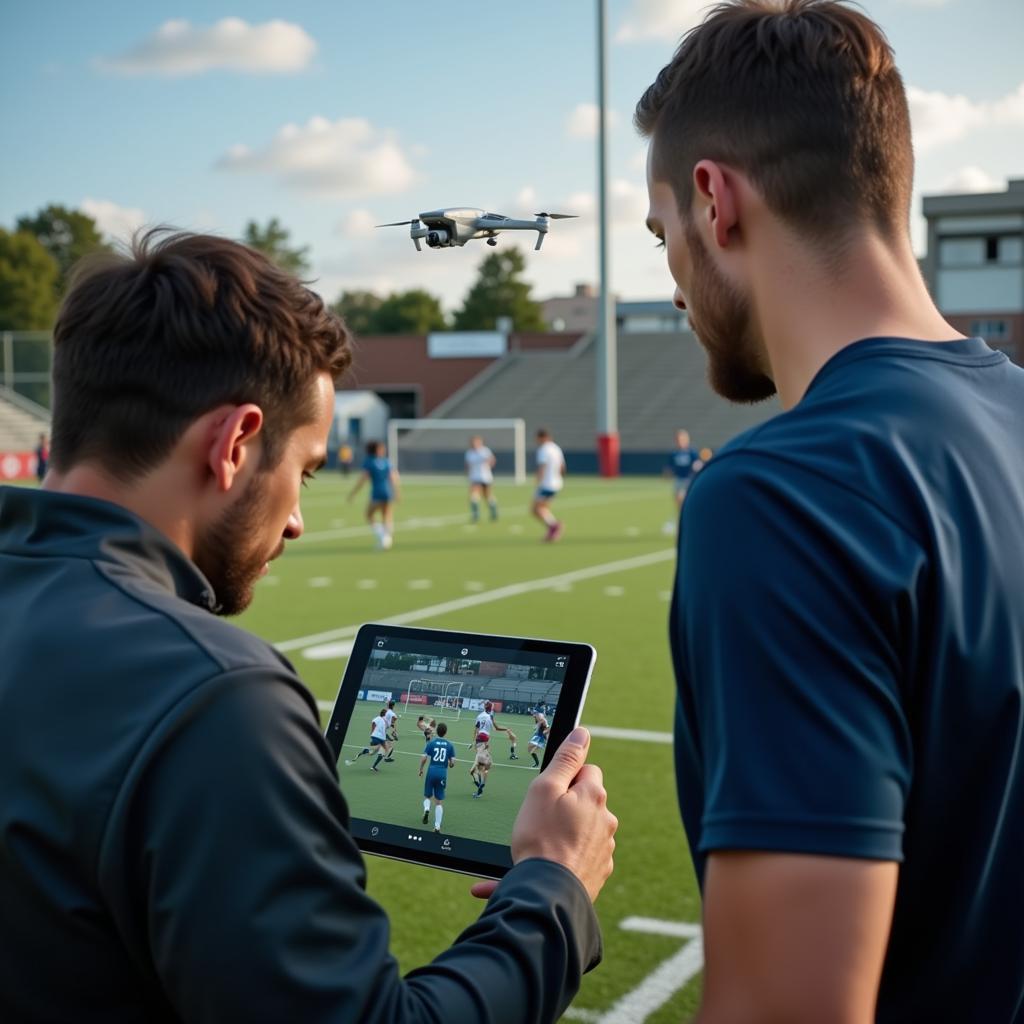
x=378, y=742
x=848, y=620
x=438, y=757
x=550, y=480
x=174, y=845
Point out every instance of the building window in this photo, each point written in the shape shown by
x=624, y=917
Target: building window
x=1011, y=250
x=962, y=252
x=997, y=331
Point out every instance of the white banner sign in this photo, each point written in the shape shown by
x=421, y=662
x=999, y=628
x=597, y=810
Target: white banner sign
x=466, y=344
x=382, y=696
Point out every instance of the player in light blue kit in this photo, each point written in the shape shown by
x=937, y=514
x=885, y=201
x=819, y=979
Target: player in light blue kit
x=383, y=479
x=683, y=465
x=438, y=757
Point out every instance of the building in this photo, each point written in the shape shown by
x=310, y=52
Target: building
x=974, y=266
x=578, y=313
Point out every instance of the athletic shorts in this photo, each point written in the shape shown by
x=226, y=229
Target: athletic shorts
x=483, y=737
x=376, y=741
x=483, y=757
x=538, y=741
x=544, y=494
x=433, y=785
x=682, y=486
x=380, y=497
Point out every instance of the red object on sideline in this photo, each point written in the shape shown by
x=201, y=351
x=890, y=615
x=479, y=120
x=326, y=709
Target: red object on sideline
x=608, y=454
x=17, y=466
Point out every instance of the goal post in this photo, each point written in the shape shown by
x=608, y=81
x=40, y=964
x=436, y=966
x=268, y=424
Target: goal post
x=443, y=698
x=420, y=427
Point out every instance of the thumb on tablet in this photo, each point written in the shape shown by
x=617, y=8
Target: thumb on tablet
x=569, y=758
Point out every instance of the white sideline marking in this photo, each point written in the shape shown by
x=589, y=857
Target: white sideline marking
x=474, y=586
x=614, y=591
x=472, y=600
x=602, y=732
x=420, y=584
x=665, y=595
x=666, y=979
x=366, y=584
x=632, y=531
x=319, y=581
x=578, y=1013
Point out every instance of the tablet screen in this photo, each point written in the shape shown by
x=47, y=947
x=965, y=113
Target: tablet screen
x=439, y=734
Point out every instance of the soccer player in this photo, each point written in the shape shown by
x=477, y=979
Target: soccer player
x=683, y=465
x=438, y=757
x=480, y=462
x=384, y=491
x=378, y=741
x=847, y=628
x=426, y=726
x=539, y=739
x=550, y=474
x=392, y=729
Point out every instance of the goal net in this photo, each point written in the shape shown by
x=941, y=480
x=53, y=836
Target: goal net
x=439, y=446
x=442, y=698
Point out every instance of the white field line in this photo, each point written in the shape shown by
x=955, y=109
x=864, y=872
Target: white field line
x=433, y=522
x=601, y=732
x=306, y=643
x=666, y=979
x=458, y=760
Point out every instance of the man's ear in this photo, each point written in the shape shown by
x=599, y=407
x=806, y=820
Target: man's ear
x=717, y=195
x=233, y=441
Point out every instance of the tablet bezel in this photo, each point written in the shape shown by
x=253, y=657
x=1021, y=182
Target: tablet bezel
x=580, y=667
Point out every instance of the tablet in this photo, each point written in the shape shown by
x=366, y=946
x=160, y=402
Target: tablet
x=437, y=735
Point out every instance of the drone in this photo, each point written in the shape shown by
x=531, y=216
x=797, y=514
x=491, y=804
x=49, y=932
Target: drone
x=443, y=229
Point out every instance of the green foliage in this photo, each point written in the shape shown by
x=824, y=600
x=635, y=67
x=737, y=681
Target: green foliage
x=28, y=283
x=273, y=241
x=413, y=312
x=67, y=235
x=500, y=291
x=357, y=309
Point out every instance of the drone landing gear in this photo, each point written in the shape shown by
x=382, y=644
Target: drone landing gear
x=492, y=241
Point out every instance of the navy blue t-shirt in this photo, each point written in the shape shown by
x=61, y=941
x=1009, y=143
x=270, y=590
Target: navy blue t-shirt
x=848, y=638
x=378, y=469
x=682, y=462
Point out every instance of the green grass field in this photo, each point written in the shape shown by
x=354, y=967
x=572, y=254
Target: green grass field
x=394, y=794
x=606, y=582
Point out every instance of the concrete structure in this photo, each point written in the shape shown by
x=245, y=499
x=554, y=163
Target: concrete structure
x=359, y=416
x=578, y=312
x=974, y=265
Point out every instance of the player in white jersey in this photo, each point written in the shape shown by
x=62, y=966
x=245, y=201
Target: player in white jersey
x=484, y=729
x=550, y=473
x=427, y=727
x=391, y=733
x=480, y=462
x=378, y=741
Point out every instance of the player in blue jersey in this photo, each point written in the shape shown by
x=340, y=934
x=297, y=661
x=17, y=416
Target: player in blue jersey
x=683, y=465
x=384, y=491
x=438, y=757
x=539, y=739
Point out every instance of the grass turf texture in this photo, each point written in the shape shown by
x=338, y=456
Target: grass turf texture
x=394, y=793
x=333, y=577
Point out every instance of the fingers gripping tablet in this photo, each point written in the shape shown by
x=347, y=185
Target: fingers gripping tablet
x=438, y=735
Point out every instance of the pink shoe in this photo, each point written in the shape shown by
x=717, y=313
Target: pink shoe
x=554, y=532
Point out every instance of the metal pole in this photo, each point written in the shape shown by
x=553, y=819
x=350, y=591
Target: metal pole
x=607, y=369
x=8, y=361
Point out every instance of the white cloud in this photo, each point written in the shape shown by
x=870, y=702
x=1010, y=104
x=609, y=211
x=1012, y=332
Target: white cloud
x=627, y=204
x=345, y=158
x=179, y=48
x=973, y=179
x=939, y=118
x=118, y=223
x=582, y=122
x=660, y=19
x=358, y=224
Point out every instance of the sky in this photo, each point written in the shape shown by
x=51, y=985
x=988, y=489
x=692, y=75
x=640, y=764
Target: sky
x=338, y=115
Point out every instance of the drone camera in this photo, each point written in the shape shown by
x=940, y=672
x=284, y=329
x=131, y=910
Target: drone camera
x=437, y=238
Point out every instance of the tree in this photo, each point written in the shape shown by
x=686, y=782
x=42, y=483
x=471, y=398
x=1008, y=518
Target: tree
x=412, y=312
x=272, y=241
x=28, y=283
x=357, y=309
x=500, y=291
x=67, y=235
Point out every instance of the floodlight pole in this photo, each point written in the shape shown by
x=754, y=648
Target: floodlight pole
x=607, y=368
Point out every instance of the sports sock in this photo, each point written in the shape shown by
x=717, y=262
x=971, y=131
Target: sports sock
x=474, y=510
x=513, y=750
x=494, y=509
x=536, y=763
x=380, y=757
x=548, y=518
x=426, y=804
x=438, y=815
x=378, y=530
x=365, y=750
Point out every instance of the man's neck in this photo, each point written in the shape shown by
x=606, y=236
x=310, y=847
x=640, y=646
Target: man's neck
x=150, y=499
x=807, y=313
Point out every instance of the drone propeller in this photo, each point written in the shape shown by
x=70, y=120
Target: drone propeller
x=558, y=216
x=398, y=223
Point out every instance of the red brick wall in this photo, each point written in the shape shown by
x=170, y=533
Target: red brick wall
x=400, y=362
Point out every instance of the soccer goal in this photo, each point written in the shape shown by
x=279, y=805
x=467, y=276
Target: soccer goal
x=443, y=698
x=439, y=446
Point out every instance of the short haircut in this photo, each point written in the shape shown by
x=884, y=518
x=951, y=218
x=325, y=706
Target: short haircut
x=543, y=432
x=149, y=340
x=804, y=98
x=442, y=729
x=374, y=447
